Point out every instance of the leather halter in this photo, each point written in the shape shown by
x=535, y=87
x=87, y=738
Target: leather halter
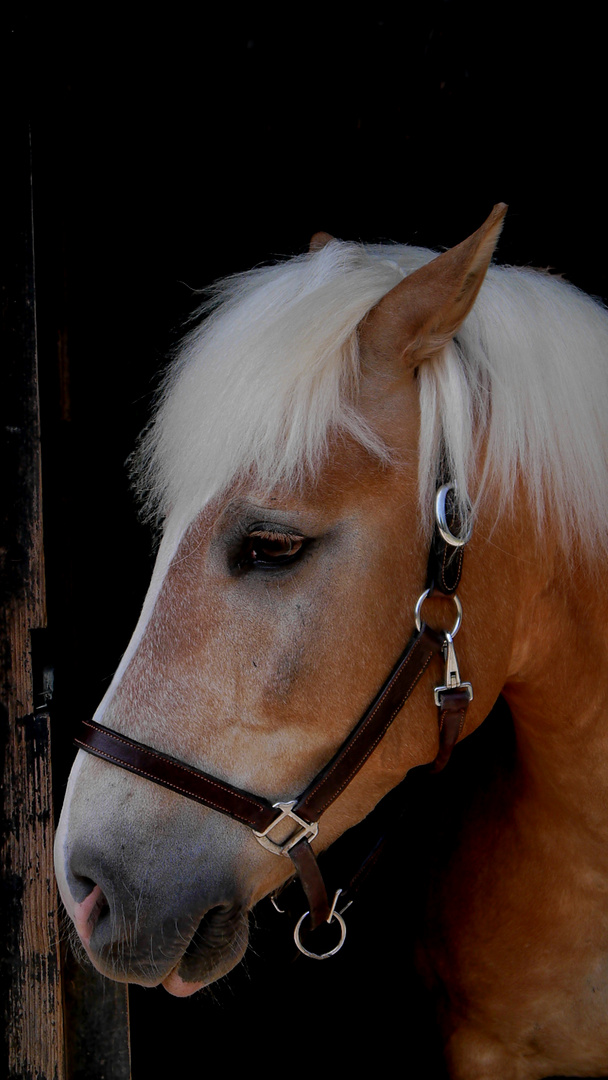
x=303, y=814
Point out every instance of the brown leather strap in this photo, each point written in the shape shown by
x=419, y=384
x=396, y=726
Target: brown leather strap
x=451, y=717
x=170, y=773
x=374, y=724
x=252, y=810
x=307, y=868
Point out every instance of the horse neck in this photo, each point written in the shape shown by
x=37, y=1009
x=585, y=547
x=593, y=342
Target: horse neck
x=558, y=693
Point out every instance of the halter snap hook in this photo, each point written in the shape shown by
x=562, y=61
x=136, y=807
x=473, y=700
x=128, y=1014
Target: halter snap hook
x=451, y=672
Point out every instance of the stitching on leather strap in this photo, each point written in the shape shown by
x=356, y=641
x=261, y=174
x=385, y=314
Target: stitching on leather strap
x=446, y=712
x=448, y=555
x=156, y=780
x=332, y=795
x=257, y=807
x=372, y=747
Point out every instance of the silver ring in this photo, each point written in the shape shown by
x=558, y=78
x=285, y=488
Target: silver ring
x=420, y=602
x=320, y=956
x=442, y=521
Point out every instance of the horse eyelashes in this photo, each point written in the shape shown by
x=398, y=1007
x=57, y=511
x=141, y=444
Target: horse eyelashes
x=270, y=549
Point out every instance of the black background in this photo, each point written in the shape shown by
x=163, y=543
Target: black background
x=168, y=153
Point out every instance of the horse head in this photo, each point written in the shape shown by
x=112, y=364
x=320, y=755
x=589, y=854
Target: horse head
x=292, y=459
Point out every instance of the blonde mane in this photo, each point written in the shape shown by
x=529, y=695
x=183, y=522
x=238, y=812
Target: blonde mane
x=272, y=371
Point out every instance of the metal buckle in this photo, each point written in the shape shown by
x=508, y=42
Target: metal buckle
x=442, y=521
x=305, y=830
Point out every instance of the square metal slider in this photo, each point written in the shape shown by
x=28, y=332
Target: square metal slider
x=304, y=830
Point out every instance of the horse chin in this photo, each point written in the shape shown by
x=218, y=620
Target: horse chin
x=217, y=946
x=175, y=985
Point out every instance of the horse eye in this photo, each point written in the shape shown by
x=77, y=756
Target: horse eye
x=272, y=548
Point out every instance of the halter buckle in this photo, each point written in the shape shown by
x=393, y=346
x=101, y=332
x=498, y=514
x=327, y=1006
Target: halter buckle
x=442, y=521
x=305, y=830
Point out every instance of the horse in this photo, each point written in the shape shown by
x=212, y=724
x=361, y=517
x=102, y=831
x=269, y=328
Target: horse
x=330, y=419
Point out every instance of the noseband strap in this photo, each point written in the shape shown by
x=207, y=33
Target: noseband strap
x=288, y=828
x=259, y=814
x=171, y=773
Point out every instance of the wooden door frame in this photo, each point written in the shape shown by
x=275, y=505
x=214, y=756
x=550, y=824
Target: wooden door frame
x=61, y=1021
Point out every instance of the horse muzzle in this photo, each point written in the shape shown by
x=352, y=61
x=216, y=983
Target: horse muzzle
x=127, y=953
x=154, y=897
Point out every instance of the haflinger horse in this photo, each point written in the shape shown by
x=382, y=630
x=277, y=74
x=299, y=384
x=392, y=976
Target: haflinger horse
x=332, y=419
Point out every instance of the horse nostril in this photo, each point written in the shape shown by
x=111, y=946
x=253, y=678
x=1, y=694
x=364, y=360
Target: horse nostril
x=80, y=887
x=88, y=912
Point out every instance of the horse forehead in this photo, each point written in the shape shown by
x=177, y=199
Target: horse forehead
x=184, y=586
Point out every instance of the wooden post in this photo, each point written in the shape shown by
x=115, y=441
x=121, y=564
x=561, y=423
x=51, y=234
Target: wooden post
x=61, y=1020
x=29, y=968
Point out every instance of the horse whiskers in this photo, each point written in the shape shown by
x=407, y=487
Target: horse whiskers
x=76, y=946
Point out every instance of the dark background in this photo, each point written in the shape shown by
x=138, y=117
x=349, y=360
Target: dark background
x=168, y=154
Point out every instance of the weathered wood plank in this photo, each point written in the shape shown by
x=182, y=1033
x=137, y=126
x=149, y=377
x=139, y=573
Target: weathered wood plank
x=30, y=972
x=29, y=969
x=96, y=1021
x=97, y=1024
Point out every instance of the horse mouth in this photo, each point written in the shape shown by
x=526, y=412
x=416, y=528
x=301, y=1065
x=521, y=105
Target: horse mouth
x=217, y=945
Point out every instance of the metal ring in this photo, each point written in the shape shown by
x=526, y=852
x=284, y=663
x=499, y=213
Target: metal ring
x=320, y=956
x=420, y=602
x=442, y=521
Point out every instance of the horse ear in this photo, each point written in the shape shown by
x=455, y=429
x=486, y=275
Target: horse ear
x=417, y=318
x=318, y=241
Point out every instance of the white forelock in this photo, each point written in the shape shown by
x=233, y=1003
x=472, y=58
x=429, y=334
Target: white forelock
x=272, y=371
